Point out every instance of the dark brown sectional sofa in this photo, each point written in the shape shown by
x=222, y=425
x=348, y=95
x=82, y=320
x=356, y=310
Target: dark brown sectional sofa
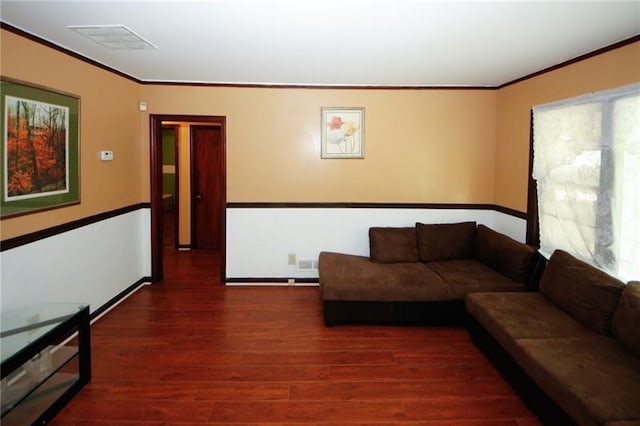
x=573, y=349
x=565, y=334
x=421, y=274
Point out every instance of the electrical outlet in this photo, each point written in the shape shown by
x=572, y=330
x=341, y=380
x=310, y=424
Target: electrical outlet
x=292, y=259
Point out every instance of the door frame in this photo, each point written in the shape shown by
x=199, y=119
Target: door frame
x=176, y=201
x=155, y=123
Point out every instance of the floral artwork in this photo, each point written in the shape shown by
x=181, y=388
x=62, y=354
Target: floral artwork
x=40, y=149
x=342, y=132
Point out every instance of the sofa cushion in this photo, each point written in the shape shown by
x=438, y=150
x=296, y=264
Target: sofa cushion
x=507, y=256
x=469, y=275
x=510, y=316
x=594, y=379
x=445, y=241
x=356, y=278
x=588, y=294
x=626, y=321
x=388, y=245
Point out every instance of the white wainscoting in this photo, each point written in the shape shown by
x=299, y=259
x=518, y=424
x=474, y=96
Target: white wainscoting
x=91, y=264
x=259, y=240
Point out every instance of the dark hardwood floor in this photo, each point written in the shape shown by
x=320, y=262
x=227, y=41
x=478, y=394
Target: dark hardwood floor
x=190, y=351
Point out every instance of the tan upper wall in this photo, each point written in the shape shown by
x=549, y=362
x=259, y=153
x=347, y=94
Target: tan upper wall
x=606, y=71
x=420, y=145
x=108, y=120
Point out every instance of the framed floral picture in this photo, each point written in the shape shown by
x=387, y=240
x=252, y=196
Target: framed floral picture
x=40, y=148
x=342, y=133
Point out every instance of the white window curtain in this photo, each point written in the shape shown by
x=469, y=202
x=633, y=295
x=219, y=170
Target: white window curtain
x=587, y=169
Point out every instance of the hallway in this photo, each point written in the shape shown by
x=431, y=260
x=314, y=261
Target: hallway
x=184, y=266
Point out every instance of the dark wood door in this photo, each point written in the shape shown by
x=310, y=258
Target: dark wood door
x=207, y=179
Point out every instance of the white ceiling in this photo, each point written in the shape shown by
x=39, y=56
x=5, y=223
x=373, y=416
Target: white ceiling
x=335, y=42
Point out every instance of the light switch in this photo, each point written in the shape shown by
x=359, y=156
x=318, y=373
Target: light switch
x=106, y=155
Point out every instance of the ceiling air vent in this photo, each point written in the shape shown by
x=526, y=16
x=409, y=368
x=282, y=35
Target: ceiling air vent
x=117, y=37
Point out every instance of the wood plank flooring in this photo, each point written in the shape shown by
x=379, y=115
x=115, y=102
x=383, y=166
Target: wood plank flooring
x=190, y=351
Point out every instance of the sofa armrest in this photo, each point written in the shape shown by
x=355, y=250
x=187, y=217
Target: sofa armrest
x=505, y=255
x=338, y=271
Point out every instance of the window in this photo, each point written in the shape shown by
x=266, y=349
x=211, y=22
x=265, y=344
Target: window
x=586, y=165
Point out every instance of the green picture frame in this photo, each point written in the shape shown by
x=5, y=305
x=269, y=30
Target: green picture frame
x=40, y=148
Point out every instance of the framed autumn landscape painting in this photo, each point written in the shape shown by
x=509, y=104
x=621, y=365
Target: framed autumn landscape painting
x=40, y=148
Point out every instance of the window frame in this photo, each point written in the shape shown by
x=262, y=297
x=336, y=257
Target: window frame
x=533, y=236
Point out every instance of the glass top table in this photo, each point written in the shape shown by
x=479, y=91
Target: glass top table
x=20, y=328
x=46, y=360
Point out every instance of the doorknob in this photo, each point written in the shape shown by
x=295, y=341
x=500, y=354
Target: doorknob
x=198, y=197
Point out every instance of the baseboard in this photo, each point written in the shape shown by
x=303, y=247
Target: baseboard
x=278, y=281
x=119, y=298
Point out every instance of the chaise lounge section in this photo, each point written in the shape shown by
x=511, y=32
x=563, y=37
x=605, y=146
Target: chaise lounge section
x=421, y=274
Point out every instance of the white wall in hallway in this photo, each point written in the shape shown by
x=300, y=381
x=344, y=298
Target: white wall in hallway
x=91, y=264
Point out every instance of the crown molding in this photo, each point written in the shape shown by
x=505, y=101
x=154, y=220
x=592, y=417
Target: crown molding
x=39, y=40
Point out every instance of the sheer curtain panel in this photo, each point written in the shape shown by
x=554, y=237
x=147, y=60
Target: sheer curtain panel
x=586, y=164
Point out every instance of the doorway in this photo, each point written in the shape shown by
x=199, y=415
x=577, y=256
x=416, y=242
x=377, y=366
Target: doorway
x=170, y=185
x=210, y=177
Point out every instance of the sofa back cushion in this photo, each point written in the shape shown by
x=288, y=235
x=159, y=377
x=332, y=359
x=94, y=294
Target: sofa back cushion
x=446, y=241
x=626, y=321
x=392, y=245
x=588, y=294
x=509, y=257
